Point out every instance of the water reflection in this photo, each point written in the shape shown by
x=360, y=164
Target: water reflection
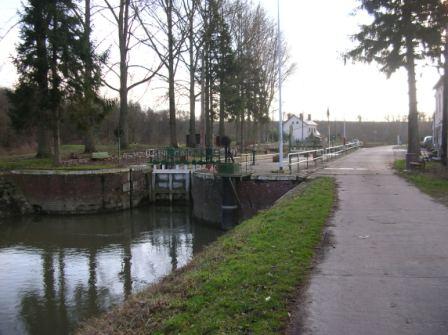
x=56, y=271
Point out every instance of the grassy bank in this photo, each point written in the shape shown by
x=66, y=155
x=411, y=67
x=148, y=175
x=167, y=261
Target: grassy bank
x=46, y=164
x=433, y=180
x=242, y=284
x=29, y=162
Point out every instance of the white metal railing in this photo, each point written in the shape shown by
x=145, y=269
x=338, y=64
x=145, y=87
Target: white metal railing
x=325, y=154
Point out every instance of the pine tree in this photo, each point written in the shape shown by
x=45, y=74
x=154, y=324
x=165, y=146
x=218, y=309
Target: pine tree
x=402, y=33
x=89, y=108
x=30, y=98
x=49, y=64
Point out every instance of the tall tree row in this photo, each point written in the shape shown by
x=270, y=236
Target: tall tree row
x=221, y=52
x=239, y=57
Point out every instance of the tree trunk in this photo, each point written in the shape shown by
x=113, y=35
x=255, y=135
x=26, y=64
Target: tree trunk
x=212, y=119
x=123, y=119
x=171, y=94
x=56, y=138
x=43, y=146
x=208, y=131
x=89, y=141
x=242, y=144
x=123, y=27
x=413, y=137
x=222, y=130
x=444, y=144
x=192, y=130
x=202, y=121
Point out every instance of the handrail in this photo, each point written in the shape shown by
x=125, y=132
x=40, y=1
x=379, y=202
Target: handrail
x=317, y=154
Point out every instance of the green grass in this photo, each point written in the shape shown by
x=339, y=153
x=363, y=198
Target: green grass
x=45, y=164
x=432, y=180
x=243, y=283
x=29, y=162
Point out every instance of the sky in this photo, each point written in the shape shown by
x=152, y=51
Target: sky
x=317, y=33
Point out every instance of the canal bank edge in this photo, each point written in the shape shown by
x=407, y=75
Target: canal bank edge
x=73, y=192
x=96, y=191
x=12, y=201
x=249, y=194
x=242, y=283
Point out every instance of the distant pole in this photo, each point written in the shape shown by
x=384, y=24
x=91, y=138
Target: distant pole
x=345, y=135
x=328, y=117
x=280, y=114
x=301, y=121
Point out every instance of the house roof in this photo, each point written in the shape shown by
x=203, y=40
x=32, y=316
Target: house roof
x=307, y=122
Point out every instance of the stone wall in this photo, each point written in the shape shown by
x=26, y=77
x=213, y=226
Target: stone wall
x=12, y=201
x=82, y=192
x=254, y=194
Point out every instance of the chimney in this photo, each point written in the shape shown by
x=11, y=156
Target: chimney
x=309, y=117
x=301, y=116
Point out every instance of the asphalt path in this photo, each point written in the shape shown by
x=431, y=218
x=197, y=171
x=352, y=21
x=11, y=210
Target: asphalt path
x=385, y=270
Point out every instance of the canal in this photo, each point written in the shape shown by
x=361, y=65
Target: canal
x=58, y=271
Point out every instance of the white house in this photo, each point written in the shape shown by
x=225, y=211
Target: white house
x=301, y=129
x=437, y=119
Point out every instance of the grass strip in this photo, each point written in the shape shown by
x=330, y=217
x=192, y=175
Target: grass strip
x=433, y=180
x=243, y=283
x=46, y=164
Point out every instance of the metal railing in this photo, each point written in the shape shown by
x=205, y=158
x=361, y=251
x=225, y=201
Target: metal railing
x=324, y=154
x=249, y=162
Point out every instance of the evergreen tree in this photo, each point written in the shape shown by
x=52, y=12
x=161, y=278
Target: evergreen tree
x=49, y=64
x=401, y=33
x=89, y=108
x=30, y=99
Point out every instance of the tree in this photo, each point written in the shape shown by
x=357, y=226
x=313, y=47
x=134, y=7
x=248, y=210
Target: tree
x=194, y=42
x=89, y=109
x=126, y=18
x=255, y=39
x=444, y=143
x=167, y=40
x=401, y=33
x=49, y=64
x=29, y=100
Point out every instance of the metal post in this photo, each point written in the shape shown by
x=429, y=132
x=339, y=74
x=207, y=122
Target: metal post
x=280, y=115
x=329, y=136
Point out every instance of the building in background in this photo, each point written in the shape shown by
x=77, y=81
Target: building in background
x=437, y=118
x=300, y=129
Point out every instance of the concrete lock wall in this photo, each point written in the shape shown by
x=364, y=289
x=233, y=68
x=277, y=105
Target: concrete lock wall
x=82, y=192
x=253, y=195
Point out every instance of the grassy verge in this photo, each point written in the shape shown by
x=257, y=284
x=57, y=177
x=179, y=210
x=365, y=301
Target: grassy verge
x=242, y=284
x=433, y=180
x=46, y=164
x=29, y=162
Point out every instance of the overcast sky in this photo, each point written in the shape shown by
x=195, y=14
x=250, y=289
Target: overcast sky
x=317, y=32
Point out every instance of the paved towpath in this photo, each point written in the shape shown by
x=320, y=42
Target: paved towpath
x=387, y=269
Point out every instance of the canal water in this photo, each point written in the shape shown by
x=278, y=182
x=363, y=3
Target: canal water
x=58, y=271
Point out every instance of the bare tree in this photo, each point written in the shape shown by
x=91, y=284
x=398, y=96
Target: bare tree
x=125, y=17
x=164, y=33
x=194, y=39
